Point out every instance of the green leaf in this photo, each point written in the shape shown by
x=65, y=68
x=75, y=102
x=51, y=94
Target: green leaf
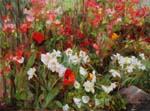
x=59, y=104
x=21, y=95
x=51, y=95
x=20, y=77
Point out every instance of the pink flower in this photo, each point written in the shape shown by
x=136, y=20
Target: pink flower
x=9, y=27
x=97, y=48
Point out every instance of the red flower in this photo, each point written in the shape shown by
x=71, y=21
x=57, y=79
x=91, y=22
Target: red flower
x=69, y=77
x=147, y=39
x=80, y=35
x=135, y=1
x=91, y=4
x=120, y=6
x=7, y=69
x=1, y=72
x=38, y=37
x=8, y=7
x=69, y=44
x=24, y=27
x=97, y=20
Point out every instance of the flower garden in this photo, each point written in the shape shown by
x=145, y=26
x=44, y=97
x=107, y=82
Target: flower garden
x=69, y=55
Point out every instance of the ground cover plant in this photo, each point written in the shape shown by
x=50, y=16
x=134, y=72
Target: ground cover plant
x=72, y=55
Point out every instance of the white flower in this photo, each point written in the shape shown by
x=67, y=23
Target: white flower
x=66, y=107
x=86, y=59
x=116, y=56
x=69, y=52
x=110, y=88
x=52, y=65
x=114, y=73
x=94, y=76
x=77, y=101
x=89, y=86
x=60, y=69
x=142, y=56
x=19, y=60
x=82, y=54
x=74, y=59
x=31, y=73
x=45, y=58
x=130, y=68
x=57, y=53
x=142, y=67
x=85, y=99
x=83, y=71
x=77, y=85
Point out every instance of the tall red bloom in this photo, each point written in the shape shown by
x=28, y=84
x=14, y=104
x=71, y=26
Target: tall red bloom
x=69, y=77
x=38, y=37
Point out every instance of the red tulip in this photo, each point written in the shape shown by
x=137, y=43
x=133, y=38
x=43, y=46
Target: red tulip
x=38, y=37
x=69, y=78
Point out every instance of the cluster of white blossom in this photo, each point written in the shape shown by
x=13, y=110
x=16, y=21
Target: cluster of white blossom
x=80, y=101
x=51, y=61
x=110, y=88
x=129, y=63
x=76, y=58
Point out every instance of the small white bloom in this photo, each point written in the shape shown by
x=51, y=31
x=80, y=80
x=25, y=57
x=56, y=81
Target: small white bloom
x=45, y=58
x=89, y=86
x=74, y=59
x=82, y=54
x=69, y=52
x=21, y=60
x=142, y=67
x=114, y=73
x=85, y=99
x=52, y=65
x=60, y=69
x=110, y=88
x=77, y=101
x=57, y=53
x=116, y=56
x=83, y=71
x=86, y=59
x=31, y=73
x=66, y=107
x=130, y=68
x=142, y=56
x=77, y=85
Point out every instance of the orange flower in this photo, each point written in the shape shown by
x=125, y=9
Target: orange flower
x=114, y=36
x=90, y=76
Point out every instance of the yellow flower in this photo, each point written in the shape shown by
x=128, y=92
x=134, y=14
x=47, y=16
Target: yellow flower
x=114, y=36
